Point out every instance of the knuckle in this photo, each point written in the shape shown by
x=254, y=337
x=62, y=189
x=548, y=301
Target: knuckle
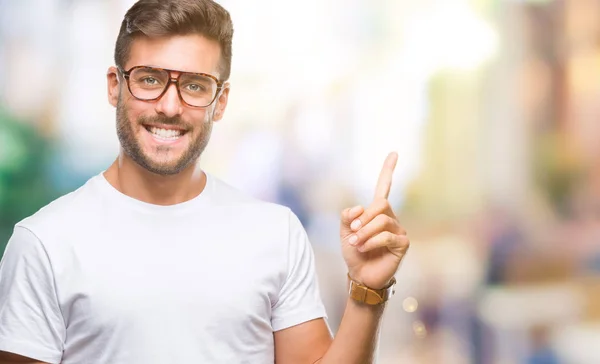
x=382, y=204
x=405, y=242
x=387, y=222
x=368, y=215
x=390, y=236
x=383, y=238
x=381, y=220
x=344, y=214
x=392, y=220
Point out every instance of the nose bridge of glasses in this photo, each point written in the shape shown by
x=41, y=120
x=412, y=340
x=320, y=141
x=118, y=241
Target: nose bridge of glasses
x=173, y=79
x=167, y=90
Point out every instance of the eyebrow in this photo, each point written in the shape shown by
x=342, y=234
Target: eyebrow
x=152, y=69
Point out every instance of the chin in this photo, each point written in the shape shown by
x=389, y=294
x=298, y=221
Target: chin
x=164, y=159
x=163, y=169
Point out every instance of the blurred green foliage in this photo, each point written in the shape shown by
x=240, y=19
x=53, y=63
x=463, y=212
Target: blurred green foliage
x=24, y=179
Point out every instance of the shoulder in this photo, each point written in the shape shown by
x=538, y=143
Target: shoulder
x=225, y=195
x=254, y=214
x=63, y=212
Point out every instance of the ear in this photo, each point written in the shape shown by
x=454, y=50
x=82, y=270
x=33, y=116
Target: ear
x=221, y=103
x=112, y=80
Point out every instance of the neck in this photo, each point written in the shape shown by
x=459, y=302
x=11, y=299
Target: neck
x=134, y=181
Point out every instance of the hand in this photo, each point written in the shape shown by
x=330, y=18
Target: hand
x=373, y=241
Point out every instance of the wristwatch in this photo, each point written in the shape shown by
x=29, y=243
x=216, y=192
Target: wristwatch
x=370, y=296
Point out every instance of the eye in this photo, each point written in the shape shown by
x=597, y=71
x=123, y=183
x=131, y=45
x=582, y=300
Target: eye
x=150, y=81
x=194, y=87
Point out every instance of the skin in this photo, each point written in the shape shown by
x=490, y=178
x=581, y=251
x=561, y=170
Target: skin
x=148, y=170
x=373, y=241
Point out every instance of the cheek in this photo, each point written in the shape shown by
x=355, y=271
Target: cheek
x=200, y=117
x=135, y=112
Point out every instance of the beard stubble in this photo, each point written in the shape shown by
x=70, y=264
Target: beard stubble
x=159, y=162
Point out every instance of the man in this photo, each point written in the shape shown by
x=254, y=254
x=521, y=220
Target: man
x=156, y=261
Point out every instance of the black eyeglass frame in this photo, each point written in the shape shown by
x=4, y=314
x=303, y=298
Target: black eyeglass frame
x=174, y=80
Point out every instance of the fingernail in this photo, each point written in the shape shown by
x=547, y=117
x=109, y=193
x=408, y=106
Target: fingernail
x=355, y=224
x=353, y=240
x=354, y=210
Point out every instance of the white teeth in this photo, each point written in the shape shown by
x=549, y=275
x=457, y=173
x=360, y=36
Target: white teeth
x=165, y=133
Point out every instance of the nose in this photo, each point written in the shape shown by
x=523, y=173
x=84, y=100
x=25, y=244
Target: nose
x=170, y=104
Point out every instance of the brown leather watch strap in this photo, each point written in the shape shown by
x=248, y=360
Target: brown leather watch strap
x=370, y=296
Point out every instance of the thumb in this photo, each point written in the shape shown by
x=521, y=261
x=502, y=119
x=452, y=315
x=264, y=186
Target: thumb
x=348, y=215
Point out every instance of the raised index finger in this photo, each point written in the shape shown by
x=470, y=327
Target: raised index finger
x=384, y=183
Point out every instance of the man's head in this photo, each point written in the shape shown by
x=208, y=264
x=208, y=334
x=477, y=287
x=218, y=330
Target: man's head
x=173, y=59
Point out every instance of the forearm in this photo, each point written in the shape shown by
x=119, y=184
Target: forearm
x=357, y=336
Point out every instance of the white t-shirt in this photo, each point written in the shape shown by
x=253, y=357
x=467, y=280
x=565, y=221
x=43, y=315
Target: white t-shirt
x=99, y=277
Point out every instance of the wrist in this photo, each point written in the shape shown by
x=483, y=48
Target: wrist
x=357, y=279
x=356, y=306
x=370, y=296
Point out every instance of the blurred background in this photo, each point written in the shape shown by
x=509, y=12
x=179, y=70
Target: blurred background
x=493, y=106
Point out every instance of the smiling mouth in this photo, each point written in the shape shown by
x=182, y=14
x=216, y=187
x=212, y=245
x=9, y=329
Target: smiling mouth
x=165, y=133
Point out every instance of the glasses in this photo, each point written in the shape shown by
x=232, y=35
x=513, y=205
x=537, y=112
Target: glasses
x=151, y=83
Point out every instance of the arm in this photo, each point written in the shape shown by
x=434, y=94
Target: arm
x=31, y=323
x=10, y=358
x=373, y=245
x=356, y=339
x=310, y=342
x=302, y=344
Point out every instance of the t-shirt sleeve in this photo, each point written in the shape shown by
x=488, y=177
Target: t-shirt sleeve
x=31, y=322
x=299, y=299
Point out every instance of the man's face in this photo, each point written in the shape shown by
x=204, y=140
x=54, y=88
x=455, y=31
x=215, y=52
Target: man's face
x=166, y=136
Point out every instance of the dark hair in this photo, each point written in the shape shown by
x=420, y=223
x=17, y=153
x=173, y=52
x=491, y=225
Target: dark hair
x=158, y=18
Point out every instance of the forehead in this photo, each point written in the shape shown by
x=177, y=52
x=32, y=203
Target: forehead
x=191, y=53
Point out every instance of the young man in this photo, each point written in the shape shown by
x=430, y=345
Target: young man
x=156, y=261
